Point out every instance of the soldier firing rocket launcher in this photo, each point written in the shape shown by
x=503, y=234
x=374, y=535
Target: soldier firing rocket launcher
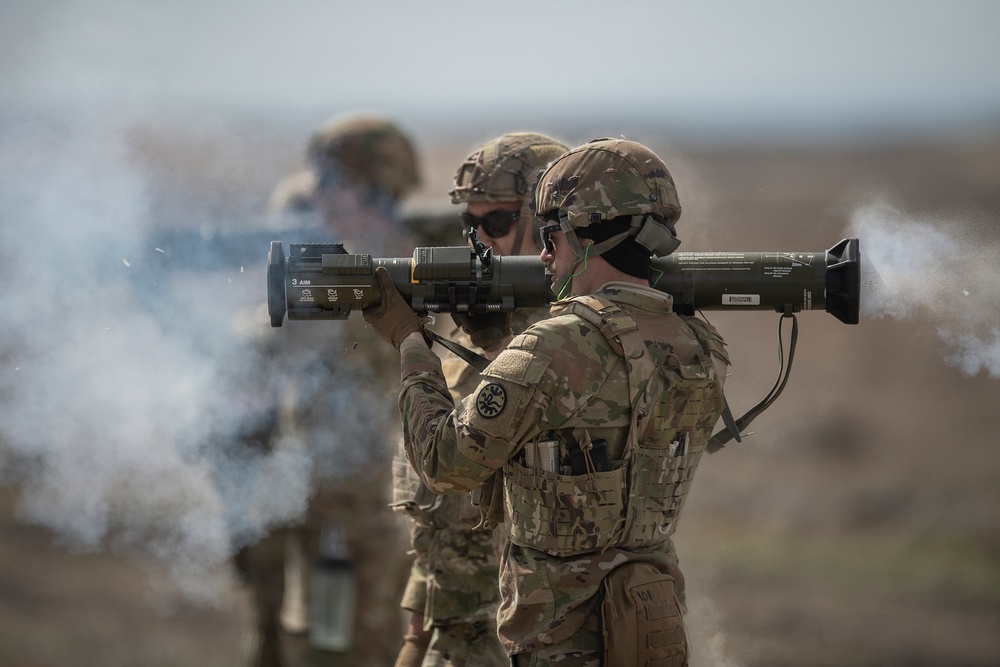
x=325, y=282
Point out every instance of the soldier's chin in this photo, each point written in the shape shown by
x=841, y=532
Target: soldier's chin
x=561, y=278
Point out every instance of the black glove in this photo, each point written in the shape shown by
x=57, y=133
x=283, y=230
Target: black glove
x=486, y=331
x=392, y=319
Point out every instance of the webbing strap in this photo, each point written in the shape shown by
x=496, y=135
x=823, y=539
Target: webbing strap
x=477, y=361
x=720, y=439
x=622, y=333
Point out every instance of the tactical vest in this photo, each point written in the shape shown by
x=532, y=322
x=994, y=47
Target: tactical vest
x=637, y=502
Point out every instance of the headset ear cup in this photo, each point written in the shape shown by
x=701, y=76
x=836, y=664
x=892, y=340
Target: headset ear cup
x=668, y=246
x=659, y=238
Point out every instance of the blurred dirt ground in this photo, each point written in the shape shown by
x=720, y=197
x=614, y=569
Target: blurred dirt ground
x=858, y=526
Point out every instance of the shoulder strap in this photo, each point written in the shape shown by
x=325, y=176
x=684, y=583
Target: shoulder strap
x=477, y=361
x=712, y=342
x=623, y=335
x=611, y=320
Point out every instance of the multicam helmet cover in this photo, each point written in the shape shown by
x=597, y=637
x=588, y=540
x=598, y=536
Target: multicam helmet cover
x=505, y=169
x=368, y=151
x=606, y=179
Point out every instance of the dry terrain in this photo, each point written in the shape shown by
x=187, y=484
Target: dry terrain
x=857, y=526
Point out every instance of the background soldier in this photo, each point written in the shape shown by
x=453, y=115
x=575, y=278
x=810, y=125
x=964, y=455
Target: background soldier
x=592, y=486
x=452, y=591
x=325, y=591
x=360, y=168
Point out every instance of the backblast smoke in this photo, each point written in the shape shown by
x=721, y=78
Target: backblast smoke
x=124, y=395
x=936, y=271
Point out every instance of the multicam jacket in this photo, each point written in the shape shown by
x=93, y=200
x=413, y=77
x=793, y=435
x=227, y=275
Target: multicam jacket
x=566, y=380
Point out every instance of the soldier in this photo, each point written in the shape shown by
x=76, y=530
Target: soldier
x=452, y=591
x=597, y=418
x=360, y=168
x=325, y=591
x=364, y=167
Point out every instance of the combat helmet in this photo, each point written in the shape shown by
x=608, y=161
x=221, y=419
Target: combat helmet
x=611, y=191
x=505, y=169
x=365, y=151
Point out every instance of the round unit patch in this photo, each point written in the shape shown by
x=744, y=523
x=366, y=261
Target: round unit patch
x=491, y=401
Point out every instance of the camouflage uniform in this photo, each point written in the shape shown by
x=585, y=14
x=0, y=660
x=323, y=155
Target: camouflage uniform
x=333, y=388
x=453, y=581
x=616, y=371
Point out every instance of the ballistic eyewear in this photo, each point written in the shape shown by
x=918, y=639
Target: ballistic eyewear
x=495, y=225
x=546, y=233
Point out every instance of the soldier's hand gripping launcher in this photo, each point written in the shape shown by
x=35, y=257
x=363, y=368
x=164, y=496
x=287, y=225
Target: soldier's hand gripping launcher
x=325, y=282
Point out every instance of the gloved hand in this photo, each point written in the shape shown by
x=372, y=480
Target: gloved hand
x=487, y=331
x=392, y=319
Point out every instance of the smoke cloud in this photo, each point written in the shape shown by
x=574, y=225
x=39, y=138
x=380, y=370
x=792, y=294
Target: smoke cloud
x=123, y=391
x=708, y=639
x=936, y=271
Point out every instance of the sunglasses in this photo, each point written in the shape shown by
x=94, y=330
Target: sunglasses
x=546, y=233
x=495, y=225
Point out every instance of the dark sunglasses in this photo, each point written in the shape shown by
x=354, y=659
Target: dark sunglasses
x=496, y=224
x=546, y=233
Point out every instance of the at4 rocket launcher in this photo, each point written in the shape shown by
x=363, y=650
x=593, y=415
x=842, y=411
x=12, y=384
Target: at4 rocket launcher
x=325, y=282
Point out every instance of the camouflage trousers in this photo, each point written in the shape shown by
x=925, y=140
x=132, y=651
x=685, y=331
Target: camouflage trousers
x=472, y=644
x=583, y=649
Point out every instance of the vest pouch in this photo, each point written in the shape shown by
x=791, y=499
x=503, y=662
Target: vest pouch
x=488, y=498
x=563, y=515
x=666, y=456
x=641, y=621
x=332, y=593
x=658, y=479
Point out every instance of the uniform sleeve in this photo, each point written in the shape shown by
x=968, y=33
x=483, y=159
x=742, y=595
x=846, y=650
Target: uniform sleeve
x=456, y=448
x=535, y=385
x=429, y=434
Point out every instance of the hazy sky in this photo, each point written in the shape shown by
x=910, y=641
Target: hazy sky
x=778, y=61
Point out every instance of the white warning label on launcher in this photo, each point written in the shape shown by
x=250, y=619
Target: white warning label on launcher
x=741, y=299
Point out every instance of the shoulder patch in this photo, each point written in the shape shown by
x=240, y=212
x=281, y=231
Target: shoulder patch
x=519, y=366
x=523, y=342
x=491, y=400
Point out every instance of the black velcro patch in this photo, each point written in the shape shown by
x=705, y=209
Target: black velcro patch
x=491, y=401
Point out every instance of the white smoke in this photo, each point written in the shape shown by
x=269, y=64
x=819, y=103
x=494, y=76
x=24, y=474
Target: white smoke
x=705, y=633
x=118, y=412
x=937, y=271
